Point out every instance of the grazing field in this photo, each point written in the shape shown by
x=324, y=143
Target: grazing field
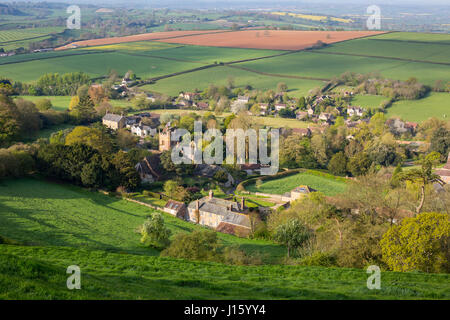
x=327, y=184
x=61, y=103
x=134, y=46
x=7, y=36
x=220, y=75
x=367, y=100
x=318, y=65
x=133, y=38
x=96, y=65
x=415, y=36
x=433, y=52
x=210, y=55
x=282, y=122
x=49, y=214
x=40, y=273
x=270, y=39
x=437, y=104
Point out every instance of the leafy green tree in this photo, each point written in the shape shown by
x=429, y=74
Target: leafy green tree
x=419, y=243
x=154, y=232
x=129, y=177
x=359, y=164
x=44, y=104
x=293, y=234
x=338, y=164
x=9, y=123
x=440, y=142
x=423, y=176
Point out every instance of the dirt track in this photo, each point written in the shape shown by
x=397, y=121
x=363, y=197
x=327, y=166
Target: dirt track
x=270, y=39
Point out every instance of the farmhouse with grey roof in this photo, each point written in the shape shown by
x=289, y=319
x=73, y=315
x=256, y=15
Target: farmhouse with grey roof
x=219, y=213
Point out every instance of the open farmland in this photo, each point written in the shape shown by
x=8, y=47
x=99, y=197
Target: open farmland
x=219, y=76
x=312, y=64
x=415, y=36
x=133, y=38
x=437, y=104
x=7, y=36
x=270, y=39
x=327, y=184
x=210, y=55
x=96, y=65
x=420, y=51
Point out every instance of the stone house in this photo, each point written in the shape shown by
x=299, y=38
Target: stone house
x=222, y=215
x=355, y=111
x=143, y=130
x=149, y=169
x=114, y=121
x=176, y=208
x=280, y=106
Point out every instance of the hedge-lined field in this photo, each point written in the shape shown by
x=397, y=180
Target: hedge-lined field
x=434, y=52
x=437, y=104
x=219, y=76
x=368, y=101
x=325, y=183
x=21, y=34
x=96, y=65
x=327, y=66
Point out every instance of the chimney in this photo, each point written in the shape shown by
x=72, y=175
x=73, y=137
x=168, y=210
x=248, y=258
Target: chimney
x=211, y=194
x=197, y=205
x=242, y=203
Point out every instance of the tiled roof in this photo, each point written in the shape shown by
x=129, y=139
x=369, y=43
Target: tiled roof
x=174, y=205
x=112, y=117
x=222, y=207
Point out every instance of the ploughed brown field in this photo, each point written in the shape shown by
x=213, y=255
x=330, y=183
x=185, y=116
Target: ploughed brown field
x=270, y=39
x=134, y=38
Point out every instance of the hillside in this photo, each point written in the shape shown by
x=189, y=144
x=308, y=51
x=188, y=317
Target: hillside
x=40, y=273
x=44, y=213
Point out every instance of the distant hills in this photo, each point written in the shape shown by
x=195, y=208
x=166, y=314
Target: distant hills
x=6, y=9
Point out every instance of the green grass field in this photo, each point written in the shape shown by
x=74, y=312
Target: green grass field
x=13, y=39
x=328, y=185
x=434, y=52
x=96, y=65
x=368, y=101
x=437, y=104
x=219, y=76
x=40, y=273
x=415, y=36
x=61, y=103
x=327, y=66
x=50, y=214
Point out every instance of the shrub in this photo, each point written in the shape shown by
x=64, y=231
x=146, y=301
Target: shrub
x=198, y=245
x=322, y=259
x=233, y=255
